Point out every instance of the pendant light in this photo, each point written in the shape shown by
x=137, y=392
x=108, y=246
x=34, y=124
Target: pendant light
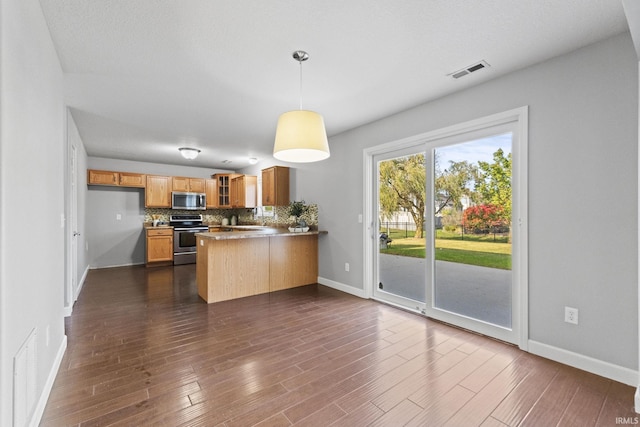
x=300, y=134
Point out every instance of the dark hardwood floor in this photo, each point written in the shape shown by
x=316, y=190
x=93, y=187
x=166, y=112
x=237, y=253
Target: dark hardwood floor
x=143, y=349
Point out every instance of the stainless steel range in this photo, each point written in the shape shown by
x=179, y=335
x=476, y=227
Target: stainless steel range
x=185, y=228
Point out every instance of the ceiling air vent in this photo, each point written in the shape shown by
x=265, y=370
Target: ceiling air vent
x=470, y=69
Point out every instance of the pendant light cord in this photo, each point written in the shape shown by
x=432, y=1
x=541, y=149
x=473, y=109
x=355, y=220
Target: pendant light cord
x=300, y=85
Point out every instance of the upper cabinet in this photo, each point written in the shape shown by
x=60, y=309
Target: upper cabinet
x=228, y=190
x=122, y=179
x=158, y=193
x=275, y=186
x=244, y=191
x=127, y=179
x=223, y=188
x=102, y=177
x=211, y=192
x=188, y=185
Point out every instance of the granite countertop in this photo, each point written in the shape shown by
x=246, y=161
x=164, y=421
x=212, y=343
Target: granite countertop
x=148, y=225
x=251, y=232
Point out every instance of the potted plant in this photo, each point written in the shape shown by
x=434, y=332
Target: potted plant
x=297, y=209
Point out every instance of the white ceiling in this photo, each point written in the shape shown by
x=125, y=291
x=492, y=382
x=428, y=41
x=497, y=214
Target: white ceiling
x=145, y=77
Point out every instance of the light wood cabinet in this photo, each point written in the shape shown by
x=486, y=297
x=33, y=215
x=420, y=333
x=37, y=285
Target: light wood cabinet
x=158, y=193
x=122, y=179
x=275, y=186
x=211, y=193
x=128, y=179
x=188, y=185
x=159, y=246
x=223, y=188
x=244, y=191
x=96, y=177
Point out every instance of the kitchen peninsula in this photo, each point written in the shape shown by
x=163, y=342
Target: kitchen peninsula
x=254, y=260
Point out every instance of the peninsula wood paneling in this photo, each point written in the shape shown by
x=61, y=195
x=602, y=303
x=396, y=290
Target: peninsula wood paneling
x=294, y=261
x=233, y=268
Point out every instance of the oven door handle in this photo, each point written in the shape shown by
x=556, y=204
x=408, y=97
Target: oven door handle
x=192, y=230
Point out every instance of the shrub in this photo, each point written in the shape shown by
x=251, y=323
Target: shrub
x=484, y=218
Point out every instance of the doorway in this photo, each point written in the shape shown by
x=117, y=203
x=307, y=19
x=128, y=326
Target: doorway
x=447, y=225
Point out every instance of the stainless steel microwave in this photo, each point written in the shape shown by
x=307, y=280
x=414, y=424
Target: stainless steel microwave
x=188, y=201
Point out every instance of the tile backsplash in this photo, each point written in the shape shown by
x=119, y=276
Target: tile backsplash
x=245, y=216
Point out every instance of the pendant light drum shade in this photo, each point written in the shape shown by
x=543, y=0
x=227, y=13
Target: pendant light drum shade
x=301, y=137
x=300, y=134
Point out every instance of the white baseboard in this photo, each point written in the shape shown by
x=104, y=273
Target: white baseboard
x=81, y=283
x=114, y=266
x=342, y=287
x=68, y=311
x=586, y=363
x=46, y=391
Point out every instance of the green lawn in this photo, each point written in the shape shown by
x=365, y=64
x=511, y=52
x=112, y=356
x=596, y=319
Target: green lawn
x=478, y=251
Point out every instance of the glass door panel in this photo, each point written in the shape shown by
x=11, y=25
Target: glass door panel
x=400, y=207
x=472, y=230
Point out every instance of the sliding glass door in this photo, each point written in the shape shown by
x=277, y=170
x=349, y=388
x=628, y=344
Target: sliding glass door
x=446, y=227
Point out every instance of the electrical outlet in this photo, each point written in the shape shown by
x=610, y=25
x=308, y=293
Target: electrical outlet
x=346, y=266
x=118, y=217
x=571, y=315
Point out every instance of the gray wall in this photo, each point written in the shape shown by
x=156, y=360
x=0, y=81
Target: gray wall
x=114, y=242
x=583, y=124
x=32, y=152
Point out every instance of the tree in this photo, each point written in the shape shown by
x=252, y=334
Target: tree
x=454, y=183
x=403, y=185
x=494, y=183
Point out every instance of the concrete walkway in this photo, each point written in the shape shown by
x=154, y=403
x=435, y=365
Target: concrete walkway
x=478, y=292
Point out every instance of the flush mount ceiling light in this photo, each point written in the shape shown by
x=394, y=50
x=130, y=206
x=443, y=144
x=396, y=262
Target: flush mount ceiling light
x=300, y=134
x=253, y=160
x=189, y=153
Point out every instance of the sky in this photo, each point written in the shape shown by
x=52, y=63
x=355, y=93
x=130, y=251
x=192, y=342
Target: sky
x=474, y=151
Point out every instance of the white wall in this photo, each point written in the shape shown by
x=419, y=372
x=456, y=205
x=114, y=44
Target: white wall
x=32, y=150
x=583, y=190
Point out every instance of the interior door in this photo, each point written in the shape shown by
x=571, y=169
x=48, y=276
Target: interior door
x=72, y=232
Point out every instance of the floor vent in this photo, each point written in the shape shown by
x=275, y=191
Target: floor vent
x=470, y=69
x=24, y=381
